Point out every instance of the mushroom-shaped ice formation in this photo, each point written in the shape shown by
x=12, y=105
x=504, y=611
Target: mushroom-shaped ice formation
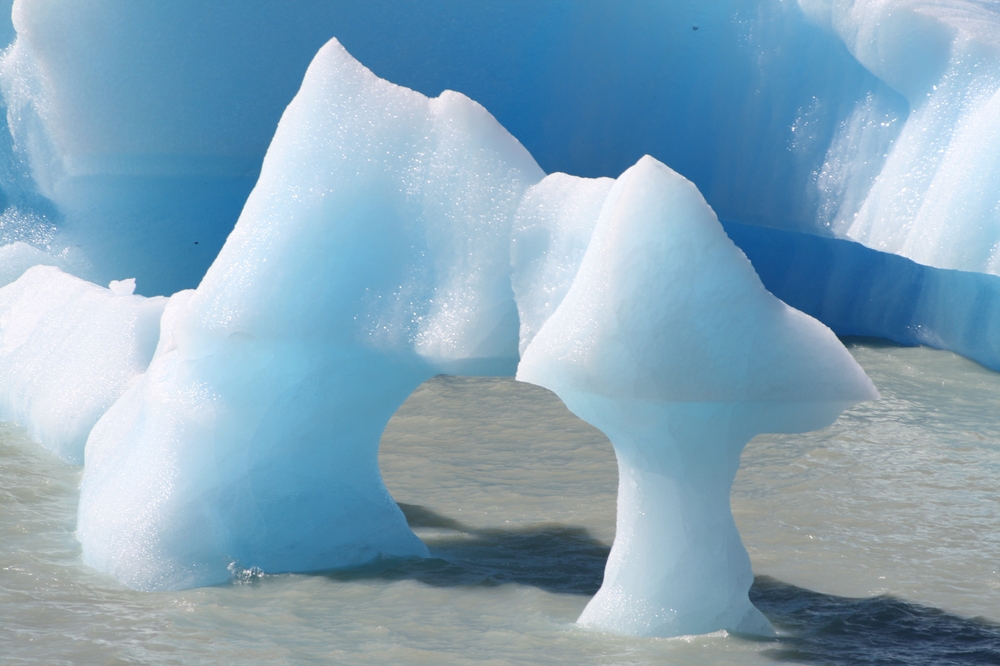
x=667, y=342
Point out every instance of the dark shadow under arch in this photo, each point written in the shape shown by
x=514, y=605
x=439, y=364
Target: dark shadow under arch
x=555, y=558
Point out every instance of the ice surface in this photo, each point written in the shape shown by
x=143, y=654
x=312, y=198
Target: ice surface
x=552, y=230
x=149, y=137
x=392, y=237
x=372, y=255
x=936, y=198
x=68, y=350
x=147, y=140
x=667, y=342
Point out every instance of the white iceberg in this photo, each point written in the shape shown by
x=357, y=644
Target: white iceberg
x=667, y=342
x=68, y=350
x=372, y=255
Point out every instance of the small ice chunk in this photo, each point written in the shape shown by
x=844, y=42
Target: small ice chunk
x=122, y=287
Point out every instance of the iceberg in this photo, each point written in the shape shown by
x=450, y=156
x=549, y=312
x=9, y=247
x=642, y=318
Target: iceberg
x=667, y=342
x=866, y=120
x=372, y=255
x=68, y=350
x=145, y=142
x=392, y=237
x=869, y=121
x=399, y=232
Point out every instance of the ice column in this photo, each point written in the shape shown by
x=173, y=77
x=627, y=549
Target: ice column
x=666, y=341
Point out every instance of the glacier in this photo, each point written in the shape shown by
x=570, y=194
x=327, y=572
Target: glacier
x=324, y=265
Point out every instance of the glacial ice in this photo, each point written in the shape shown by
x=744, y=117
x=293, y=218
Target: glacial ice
x=161, y=124
x=936, y=198
x=859, y=291
x=68, y=350
x=391, y=237
x=147, y=140
x=372, y=255
x=668, y=343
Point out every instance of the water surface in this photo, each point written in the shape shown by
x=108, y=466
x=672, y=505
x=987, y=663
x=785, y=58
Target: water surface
x=874, y=541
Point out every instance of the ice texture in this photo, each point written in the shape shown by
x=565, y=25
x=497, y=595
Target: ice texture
x=146, y=140
x=372, y=254
x=871, y=120
x=936, y=198
x=667, y=342
x=551, y=232
x=391, y=236
x=68, y=350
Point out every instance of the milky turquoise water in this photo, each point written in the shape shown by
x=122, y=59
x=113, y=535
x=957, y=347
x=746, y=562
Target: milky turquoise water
x=876, y=540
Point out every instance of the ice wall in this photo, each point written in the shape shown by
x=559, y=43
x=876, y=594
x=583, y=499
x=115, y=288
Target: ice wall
x=372, y=254
x=936, y=198
x=147, y=138
x=146, y=123
x=68, y=350
x=666, y=340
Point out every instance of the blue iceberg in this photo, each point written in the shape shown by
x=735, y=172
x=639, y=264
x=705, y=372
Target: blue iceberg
x=327, y=248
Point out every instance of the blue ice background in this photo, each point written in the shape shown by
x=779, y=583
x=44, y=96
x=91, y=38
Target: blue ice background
x=741, y=98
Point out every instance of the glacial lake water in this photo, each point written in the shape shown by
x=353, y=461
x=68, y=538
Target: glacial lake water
x=874, y=541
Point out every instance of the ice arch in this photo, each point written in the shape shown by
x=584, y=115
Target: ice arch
x=375, y=252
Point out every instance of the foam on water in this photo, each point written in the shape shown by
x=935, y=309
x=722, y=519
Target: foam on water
x=515, y=498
